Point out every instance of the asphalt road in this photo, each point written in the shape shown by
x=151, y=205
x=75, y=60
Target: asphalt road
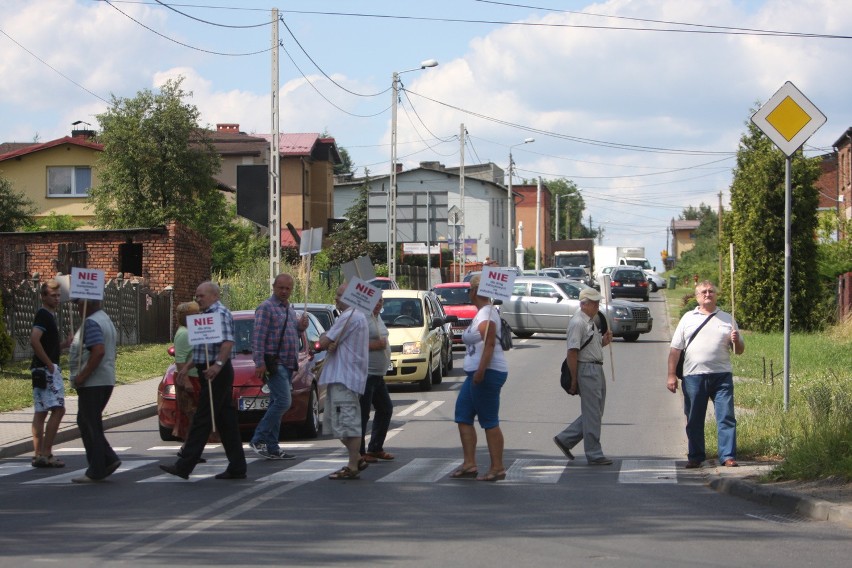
x=644, y=510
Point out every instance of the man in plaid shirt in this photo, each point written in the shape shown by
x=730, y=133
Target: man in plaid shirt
x=213, y=361
x=275, y=343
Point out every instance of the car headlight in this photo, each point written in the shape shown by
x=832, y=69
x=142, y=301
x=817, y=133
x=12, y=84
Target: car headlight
x=412, y=348
x=621, y=312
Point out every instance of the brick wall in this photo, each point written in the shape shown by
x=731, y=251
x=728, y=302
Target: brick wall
x=173, y=255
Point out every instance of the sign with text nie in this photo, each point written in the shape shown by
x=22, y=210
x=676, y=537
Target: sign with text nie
x=496, y=284
x=87, y=283
x=204, y=328
x=361, y=295
x=788, y=119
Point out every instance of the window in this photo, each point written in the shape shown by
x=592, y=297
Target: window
x=69, y=181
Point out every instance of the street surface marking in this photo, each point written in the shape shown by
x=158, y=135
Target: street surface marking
x=73, y=450
x=535, y=471
x=411, y=408
x=429, y=408
x=201, y=471
x=67, y=477
x=309, y=470
x=422, y=470
x=648, y=471
x=13, y=468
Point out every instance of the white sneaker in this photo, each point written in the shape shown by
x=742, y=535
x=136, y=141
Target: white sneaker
x=280, y=455
x=259, y=449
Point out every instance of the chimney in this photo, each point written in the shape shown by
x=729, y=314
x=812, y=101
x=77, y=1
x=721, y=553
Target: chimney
x=228, y=127
x=80, y=132
x=398, y=167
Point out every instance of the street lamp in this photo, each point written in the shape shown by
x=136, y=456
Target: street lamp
x=392, y=197
x=510, y=201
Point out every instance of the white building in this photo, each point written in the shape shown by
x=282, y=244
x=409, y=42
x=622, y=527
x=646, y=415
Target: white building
x=485, y=202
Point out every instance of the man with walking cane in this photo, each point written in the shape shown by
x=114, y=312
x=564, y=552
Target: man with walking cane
x=213, y=361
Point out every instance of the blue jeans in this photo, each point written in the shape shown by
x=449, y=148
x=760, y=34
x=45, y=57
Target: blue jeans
x=376, y=395
x=697, y=390
x=269, y=428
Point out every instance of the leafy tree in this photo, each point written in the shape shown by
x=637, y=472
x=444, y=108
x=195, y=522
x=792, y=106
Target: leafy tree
x=570, y=213
x=17, y=209
x=54, y=222
x=157, y=164
x=834, y=256
x=755, y=225
x=349, y=240
x=346, y=166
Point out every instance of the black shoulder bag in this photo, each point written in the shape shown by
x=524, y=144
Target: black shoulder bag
x=679, y=368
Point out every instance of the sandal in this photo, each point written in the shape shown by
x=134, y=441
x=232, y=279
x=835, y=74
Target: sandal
x=343, y=474
x=362, y=464
x=382, y=455
x=493, y=476
x=465, y=473
x=39, y=461
x=54, y=462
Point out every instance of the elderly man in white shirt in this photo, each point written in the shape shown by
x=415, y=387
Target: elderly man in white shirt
x=345, y=375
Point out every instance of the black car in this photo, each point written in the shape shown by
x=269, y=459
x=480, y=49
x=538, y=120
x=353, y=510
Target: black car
x=629, y=282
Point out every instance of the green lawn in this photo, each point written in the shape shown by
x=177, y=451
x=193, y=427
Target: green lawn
x=133, y=363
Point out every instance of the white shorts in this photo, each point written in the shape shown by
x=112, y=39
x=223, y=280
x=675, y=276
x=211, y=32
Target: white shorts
x=53, y=396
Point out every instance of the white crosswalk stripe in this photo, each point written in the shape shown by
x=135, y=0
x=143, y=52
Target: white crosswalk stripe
x=308, y=470
x=648, y=471
x=202, y=471
x=536, y=471
x=422, y=470
x=68, y=476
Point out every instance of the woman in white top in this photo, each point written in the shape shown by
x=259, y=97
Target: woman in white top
x=479, y=396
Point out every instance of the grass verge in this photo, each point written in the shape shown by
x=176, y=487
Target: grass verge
x=133, y=363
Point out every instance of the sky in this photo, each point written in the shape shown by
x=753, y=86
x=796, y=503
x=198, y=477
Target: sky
x=641, y=103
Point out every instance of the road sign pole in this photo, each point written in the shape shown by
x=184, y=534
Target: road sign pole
x=788, y=247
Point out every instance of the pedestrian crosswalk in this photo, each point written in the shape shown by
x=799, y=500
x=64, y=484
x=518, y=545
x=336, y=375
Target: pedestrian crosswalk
x=525, y=471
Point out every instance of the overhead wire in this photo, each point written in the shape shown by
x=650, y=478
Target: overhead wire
x=170, y=7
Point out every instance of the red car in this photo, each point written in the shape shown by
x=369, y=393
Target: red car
x=455, y=298
x=251, y=396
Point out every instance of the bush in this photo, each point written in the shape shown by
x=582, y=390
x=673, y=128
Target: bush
x=7, y=344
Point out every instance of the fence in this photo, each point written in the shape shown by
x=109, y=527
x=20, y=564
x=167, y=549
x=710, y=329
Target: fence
x=139, y=314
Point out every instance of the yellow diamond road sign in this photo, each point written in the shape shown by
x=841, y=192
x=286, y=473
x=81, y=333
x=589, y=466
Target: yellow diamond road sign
x=788, y=118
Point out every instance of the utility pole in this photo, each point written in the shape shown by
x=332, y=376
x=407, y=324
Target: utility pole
x=719, y=232
x=274, y=166
x=461, y=199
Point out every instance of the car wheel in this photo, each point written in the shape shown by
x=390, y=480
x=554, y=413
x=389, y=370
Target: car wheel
x=311, y=426
x=425, y=383
x=630, y=337
x=652, y=286
x=166, y=435
x=523, y=334
x=646, y=298
x=438, y=373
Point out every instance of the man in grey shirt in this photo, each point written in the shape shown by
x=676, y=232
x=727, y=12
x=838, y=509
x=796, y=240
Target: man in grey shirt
x=376, y=390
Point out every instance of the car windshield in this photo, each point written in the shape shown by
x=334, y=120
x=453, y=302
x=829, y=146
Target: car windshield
x=572, y=289
x=242, y=332
x=323, y=316
x=575, y=272
x=402, y=312
x=453, y=296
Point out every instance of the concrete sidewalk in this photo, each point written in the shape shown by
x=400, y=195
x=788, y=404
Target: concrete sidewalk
x=138, y=400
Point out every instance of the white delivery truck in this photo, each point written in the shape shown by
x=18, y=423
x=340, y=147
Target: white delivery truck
x=635, y=256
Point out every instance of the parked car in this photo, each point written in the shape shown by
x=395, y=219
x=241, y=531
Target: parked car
x=251, y=395
x=327, y=314
x=384, y=283
x=602, y=272
x=420, y=337
x=546, y=305
x=655, y=281
x=455, y=299
x=629, y=282
x=577, y=273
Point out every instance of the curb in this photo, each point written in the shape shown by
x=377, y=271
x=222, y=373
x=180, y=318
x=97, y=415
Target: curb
x=815, y=509
x=72, y=432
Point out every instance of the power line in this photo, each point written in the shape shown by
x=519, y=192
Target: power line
x=170, y=7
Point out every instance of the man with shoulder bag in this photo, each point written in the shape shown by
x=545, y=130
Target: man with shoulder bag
x=275, y=343
x=585, y=363
x=704, y=338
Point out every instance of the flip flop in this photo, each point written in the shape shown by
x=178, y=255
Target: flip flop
x=493, y=476
x=465, y=473
x=344, y=473
x=54, y=462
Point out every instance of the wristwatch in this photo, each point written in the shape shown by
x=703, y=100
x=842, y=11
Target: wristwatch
x=218, y=362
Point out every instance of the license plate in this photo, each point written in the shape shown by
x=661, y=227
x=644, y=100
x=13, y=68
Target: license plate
x=630, y=285
x=252, y=403
x=390, y=366
x=641, y=326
